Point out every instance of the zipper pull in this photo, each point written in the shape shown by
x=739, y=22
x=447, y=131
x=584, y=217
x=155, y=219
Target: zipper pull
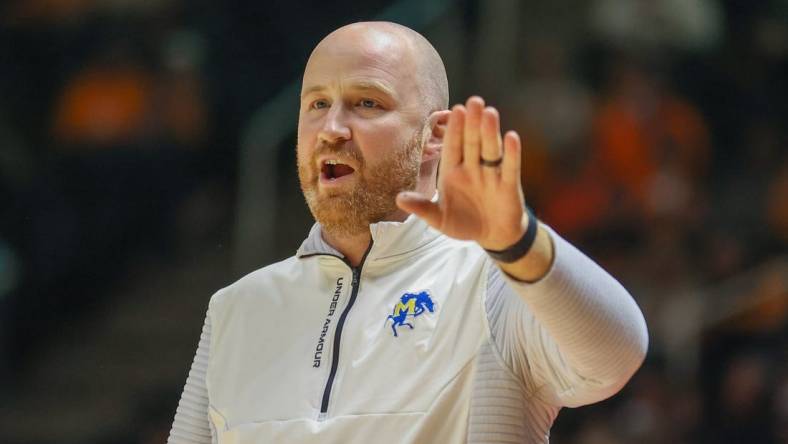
x=356, y=273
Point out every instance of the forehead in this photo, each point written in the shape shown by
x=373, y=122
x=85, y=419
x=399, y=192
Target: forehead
x=351, y=57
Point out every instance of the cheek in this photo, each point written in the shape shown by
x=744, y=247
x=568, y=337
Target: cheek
x=305, y=142
x=303, y=164
x=307, y=129
x=378, y=141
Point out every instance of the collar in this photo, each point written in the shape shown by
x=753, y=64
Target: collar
x=389, y=239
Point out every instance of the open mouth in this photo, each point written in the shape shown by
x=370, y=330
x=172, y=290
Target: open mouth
x=334, y=169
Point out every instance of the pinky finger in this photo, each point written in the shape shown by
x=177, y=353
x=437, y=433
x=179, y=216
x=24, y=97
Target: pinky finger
x=510, y=169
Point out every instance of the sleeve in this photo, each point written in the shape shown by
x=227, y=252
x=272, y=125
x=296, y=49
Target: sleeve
x=191, y=424
x=574, y=337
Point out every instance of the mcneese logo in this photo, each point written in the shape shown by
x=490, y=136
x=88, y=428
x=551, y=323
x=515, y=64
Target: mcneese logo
x=410, y=304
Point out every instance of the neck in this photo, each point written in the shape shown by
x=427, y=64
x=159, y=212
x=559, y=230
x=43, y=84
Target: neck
x=353, y=246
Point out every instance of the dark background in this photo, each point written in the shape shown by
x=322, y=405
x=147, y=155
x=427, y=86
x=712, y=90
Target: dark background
x=147, y=160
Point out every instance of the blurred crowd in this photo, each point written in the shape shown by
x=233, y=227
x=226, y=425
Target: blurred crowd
x=105, y=129
x=655, y=139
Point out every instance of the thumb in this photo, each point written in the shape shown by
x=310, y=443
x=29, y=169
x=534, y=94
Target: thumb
x=420, y=206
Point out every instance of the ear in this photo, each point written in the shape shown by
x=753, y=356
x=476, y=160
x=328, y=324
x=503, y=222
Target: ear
x=436, y=124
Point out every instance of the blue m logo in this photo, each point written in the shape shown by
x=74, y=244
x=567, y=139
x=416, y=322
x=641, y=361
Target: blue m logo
x=410, y=304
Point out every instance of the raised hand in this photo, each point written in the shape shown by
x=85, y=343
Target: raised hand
x=480, y=197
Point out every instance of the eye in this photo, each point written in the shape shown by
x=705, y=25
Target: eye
x=320, y=104
x=368, y=103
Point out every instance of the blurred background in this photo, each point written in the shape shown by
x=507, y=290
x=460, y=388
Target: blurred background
x=147, y=160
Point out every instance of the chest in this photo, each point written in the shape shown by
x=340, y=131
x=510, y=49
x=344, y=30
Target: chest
x=376, y=340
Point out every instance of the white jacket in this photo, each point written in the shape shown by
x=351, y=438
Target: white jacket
x=425, y=342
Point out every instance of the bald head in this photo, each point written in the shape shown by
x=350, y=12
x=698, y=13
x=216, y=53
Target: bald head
x=399, y=47
x=373, y=98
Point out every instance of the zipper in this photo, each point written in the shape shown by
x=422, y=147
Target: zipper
x=338, y=332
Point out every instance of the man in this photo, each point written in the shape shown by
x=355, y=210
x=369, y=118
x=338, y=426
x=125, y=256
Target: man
x=395, y=328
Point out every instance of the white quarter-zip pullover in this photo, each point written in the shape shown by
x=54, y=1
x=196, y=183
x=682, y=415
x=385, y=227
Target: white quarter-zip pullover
x=427, y=341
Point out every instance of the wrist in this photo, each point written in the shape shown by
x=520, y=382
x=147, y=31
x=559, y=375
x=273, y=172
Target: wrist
x=522, y=246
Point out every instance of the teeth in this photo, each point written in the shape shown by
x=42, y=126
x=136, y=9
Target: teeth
x=331, y=162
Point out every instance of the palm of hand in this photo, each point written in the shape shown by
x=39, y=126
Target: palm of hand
x=490, y=214
x=480, y=203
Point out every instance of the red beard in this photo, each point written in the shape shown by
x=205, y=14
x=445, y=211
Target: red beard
x=372, y=196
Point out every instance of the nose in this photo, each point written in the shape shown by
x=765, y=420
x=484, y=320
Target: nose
x=335, y=128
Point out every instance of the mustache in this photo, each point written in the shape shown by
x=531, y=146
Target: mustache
x=341, y=149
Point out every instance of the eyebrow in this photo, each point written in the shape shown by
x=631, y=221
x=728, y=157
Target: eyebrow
x=361, y=85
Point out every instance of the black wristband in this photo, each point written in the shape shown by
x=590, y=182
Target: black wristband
x=521, y=247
